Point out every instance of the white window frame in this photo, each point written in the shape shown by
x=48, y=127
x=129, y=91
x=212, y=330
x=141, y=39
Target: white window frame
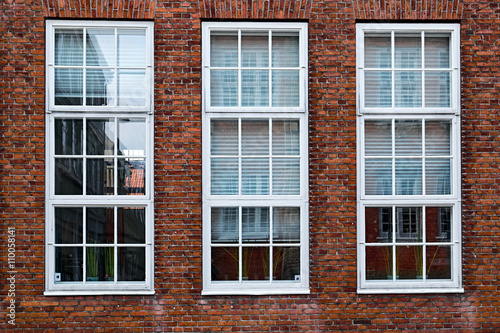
x=300, y=286
x=453, y=200
x=56, y=288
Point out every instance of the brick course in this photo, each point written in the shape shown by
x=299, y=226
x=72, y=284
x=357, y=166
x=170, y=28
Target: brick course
x=178, y=306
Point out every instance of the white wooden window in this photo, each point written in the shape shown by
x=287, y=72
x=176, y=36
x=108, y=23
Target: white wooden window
x=255, y=233
x=409, y=237
x=99, y=229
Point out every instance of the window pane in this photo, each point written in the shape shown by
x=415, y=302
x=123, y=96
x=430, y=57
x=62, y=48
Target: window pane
x=378, y=52
x=378, y=138
x=378, y=89
x=68, y=86
x=131, y=137
x=408, y=140
x=131, y=264
x=286, y=137
x=94, y=264
x=255, y=137
x=378, y=177
x=131, y=87
x=68, y=225
x=225, y=224
x=378, y=224
x=255, y=176
x=255, y=263
x=438, y=176
x=409, y=263
x=224, y=137
x=255, y=224
x=437, y=89
x=286, y=176
x=408, y=224
x=68, y=136
x=224, y=87
x=100, y=176
x=438, y=262
x=438, y=224
x=68, y=47
x=100, y=227
x=408, y=53
x=285, y=49
x=100, y=47
x=224, y=176
x=408, y=176
x=68, y=176
x=224, y=49
x=131, y=48
x=100, y=87
x=131, y=176
x=379, y=262
x=225, y=264
x=438, y=138
x=285, y=88
x=437, y=52
x=408, y=89
x=100, y=136
x=286, y=225
x=254, y=88
x=254, y=49
x=286, y=263
x=131, y=225
x=69, y=262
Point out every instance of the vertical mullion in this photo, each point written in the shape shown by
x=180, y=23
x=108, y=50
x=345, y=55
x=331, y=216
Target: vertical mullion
x=84, y=241
x=115, y=74
x=393, y=65
x=239, y=68
x=270, y=72
x=84, y=156
x=393, y=157
x=270, y=155
x=240, y=244
x=84, y=83
x=240, y=159
x=115, y=242
x=115, y=158
x=424, y=186
x=424, y=245
x=394, y=249
x=422, y=66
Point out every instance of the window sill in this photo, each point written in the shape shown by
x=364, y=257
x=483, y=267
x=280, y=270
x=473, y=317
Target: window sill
x=255, y=292
x=412, y=291
x=97, y=292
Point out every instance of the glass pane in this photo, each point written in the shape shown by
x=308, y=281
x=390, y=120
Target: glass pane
x=68, y=225
x=100, y=227
x=224, y=49
x=69, y=137
x=255, y=176
x=437, y=52
x=408, y=138
x=378, y=138
x=438, y=138
x=437, y=176
x=255, y=263
x=109, y=263
x=286, y=263
x=224, y=176
x=96, y=262
x=378, y=52
x=408, y=176
x=68, y=49
x=438, y=262
x=69, y=262
x=132, y=225
x=255, y=224
x=437, y=89
x=378, y=224
x=286, y=225
x=224, y=137
x=378, y=177
x=379, y=263
x=131, y=137
x=254, y=88
x=408, y=224
x=131, y=87
x=286, y=176
x=378, y=89
x=225, y=224
x=131, y=48
x=286, y=137
x=68, y=86
x=285, y=49
x=438, y=224
x=408, y=53
x=100, y=176
x=285, y=88
x=254, y=49
x=225, y=264
x=68, y=177
x=408, y=89
x=100, y=136
x=224, y=88
x=131, y=264
x=255, y=137
x=100, y=47
x=100, y=87
x=409, y=263
x=131, y=176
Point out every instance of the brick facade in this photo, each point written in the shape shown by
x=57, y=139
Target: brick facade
x=178, y=306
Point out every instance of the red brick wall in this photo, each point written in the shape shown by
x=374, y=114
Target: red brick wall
x=178, y=306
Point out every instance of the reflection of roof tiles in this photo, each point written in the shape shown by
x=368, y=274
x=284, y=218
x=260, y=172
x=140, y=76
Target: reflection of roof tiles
x=136, y=179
